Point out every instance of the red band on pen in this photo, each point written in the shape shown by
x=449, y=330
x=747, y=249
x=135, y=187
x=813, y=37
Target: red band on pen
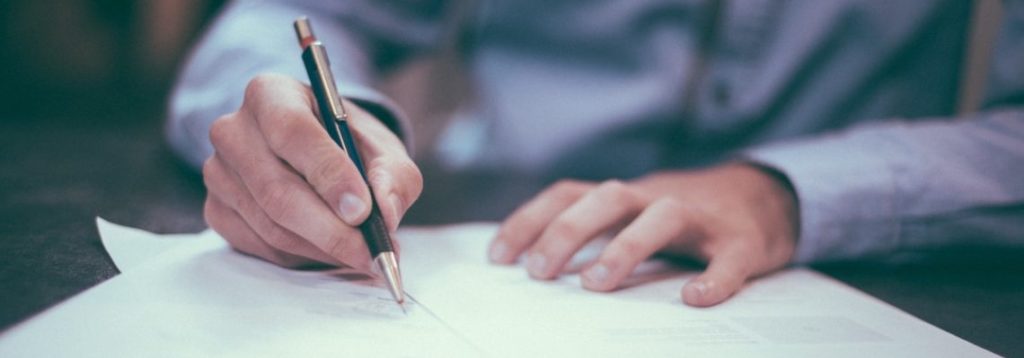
x=306, y=41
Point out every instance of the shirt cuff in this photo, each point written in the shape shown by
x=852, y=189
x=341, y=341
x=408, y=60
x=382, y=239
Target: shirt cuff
x=846, y=191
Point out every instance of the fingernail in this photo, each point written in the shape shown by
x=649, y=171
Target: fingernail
x=498, y=251
x=701, y=288
x=351, y=208
x=536, y=263
x=597, y=274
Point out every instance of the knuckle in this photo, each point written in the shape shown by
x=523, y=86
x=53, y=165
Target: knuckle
x=630, y=248
x=565, y=185
x=562, y=229
x=613, y=191
x=249, y=208
x=277, y=198
x=221, y=131
x=282, y=241
x=341, y=244
x=209, y=214
x=260, y=84
x=337, y=247
x=327, y=172
x=268, y=228
x=208, y=167
x=282, y=121
x=673, y=207
x=210, y=173
x=613, y=185
x=287, y=128
x=564, y=191
x=675, y=211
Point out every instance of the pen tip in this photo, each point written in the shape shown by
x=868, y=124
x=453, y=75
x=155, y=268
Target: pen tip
x=388, y=265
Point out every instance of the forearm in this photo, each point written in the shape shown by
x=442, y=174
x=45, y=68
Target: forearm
x=898, y=186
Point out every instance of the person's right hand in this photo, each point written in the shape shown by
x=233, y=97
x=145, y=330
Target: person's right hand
x=279, y=188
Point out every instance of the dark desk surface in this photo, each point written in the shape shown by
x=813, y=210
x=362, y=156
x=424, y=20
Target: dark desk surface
x=56, y=179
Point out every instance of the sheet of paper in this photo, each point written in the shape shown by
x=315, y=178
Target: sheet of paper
x=796, y=312
x=130, y=247
x=202, y=299
x=198, y=297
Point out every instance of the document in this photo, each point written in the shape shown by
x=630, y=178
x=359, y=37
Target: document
x=191, y=295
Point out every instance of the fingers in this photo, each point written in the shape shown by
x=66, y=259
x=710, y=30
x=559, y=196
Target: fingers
x=278, y=170
x=525, y=225
x=606, y=206
x=227, y=188
x=724, y=276
x=283, y=111
x=237, y=233
x=397, y=183
x=660, y=223
x=727, y=220
x=669, y=222
x=284, y=196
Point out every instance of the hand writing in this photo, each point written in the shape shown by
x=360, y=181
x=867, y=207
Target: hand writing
x=279, y=188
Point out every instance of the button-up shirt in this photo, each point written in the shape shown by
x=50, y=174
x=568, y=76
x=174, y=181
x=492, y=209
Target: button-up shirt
x=853, y=101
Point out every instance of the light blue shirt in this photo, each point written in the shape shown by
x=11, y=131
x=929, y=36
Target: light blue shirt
x=852, y=100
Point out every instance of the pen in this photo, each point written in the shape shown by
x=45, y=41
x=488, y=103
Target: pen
x=335, y=121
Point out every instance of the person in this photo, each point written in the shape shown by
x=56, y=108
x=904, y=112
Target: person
x=746, y=134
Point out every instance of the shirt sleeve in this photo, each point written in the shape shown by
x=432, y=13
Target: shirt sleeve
x=902, y=186
x=364, y=38
x=898, y=187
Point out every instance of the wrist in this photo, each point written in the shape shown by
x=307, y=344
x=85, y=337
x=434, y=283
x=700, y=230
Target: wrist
x=781, y=196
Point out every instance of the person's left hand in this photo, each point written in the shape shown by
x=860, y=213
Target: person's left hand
x=735, y=217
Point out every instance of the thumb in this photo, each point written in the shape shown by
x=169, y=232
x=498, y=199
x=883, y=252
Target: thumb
x=725, y=275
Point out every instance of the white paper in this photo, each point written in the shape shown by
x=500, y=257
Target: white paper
x=796, y=312
x=199, y=298
x=202, y=299
x=130, y=247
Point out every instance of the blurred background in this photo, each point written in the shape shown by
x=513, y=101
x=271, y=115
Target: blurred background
x=82, y=90
x=68, y=60
x=77, y=62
